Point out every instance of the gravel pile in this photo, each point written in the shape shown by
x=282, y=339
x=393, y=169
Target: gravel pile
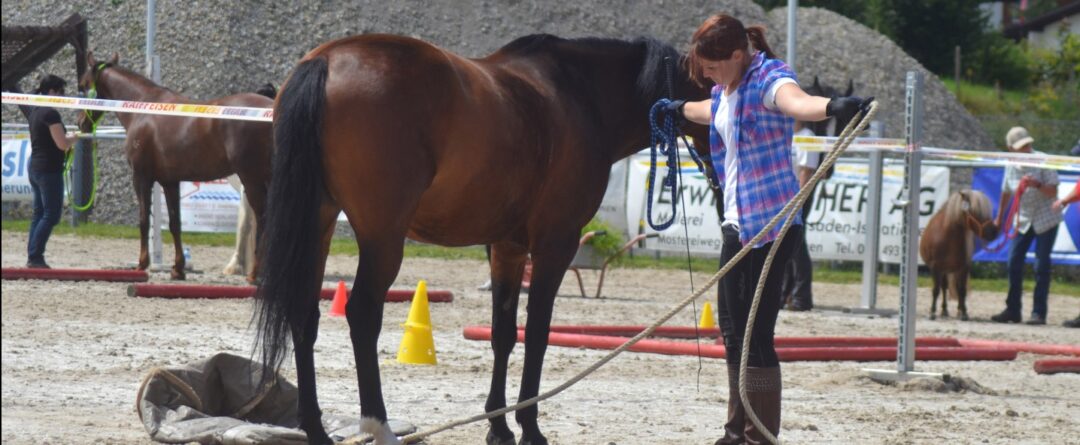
x=210, y=49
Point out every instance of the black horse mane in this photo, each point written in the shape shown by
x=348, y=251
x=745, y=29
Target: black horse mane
x=651, y=79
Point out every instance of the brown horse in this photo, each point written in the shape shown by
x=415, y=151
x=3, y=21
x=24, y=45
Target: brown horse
x=948, y=242
x=170, y=149
x=412, y=141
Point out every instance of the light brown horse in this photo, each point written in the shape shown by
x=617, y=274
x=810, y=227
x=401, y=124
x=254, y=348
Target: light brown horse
x=948, y=243
x=410, y=140
x=170, y=149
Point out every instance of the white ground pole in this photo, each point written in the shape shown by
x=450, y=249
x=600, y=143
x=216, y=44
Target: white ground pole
x=868, y=300
x=909, y=266
x=153, y=71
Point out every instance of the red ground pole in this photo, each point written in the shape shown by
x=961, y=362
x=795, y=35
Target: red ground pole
x=128, y=276
x=1036, y=348
x=845, y=353
x=229, y=292
x=1054, y=366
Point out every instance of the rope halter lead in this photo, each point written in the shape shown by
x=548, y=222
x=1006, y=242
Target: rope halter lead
x=665, y=140
x=69, y=158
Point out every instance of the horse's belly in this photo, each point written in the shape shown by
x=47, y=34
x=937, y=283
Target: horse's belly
x=464, y=219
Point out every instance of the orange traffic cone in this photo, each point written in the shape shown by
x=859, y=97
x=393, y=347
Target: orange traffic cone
x=418, y=345
x=337, y=307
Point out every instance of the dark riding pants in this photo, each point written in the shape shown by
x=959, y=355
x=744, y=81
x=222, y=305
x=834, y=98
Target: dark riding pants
x=1018, y=248
x=48, y=188
x=737, y=294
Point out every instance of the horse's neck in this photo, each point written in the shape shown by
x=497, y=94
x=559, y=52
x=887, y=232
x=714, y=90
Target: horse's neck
x=126, y=85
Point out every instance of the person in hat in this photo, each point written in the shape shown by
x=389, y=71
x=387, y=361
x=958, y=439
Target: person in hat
x=49, y=142
x=1036, y=220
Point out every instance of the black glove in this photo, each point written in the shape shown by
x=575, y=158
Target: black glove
x=675, y=107
x=844, y=108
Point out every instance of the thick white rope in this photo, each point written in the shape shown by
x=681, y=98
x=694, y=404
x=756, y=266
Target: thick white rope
x=788, y=209
x=856, y=126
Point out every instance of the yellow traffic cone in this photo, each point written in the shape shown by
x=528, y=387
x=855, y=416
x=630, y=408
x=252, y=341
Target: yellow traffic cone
x=417, y=345
x=708, y=320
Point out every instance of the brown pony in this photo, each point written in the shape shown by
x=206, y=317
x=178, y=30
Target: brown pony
x=948, y=242
x=413, y=141
x=170, y=149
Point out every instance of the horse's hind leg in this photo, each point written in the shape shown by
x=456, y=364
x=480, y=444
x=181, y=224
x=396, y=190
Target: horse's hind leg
x=172, y=202
x=309, y=414
x=256, y=197
x=380, y=259
x=507, y=268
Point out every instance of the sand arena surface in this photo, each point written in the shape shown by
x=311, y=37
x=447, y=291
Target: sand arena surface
x=75, y=353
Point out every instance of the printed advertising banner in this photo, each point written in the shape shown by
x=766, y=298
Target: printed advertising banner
x=16, y=160
x=1065, y=251
x=209, y=206
x=836, y=225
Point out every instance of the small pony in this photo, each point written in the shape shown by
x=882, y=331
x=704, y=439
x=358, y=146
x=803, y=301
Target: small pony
x=948, y=243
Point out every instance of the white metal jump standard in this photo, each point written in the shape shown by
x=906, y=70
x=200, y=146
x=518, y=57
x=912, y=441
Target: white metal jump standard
x=909, y=266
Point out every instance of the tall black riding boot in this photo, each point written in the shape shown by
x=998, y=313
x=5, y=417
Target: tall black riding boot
x=733, y=429
x=763, y=388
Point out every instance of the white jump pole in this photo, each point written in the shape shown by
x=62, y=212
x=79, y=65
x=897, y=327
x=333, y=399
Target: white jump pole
x=153, y=71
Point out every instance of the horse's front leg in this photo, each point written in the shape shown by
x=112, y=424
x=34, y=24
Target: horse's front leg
x=936, y=277
x=550, y=261
x=172, y=202
x=946, y=278
x=507, y=268
x=143, y=188
x=961, y=293
x=380, y=259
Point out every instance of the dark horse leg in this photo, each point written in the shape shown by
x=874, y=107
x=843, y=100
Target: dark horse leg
x=961, y=280
x=309, y=414
x=172, y=202
x=507, y=268
x=143, y=188
x=380, y=259
x=936, y=276
x=945, y=295
x=551, y=255
x=256, y=195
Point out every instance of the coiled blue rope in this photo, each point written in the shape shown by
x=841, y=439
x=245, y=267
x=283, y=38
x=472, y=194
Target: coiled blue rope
x=665, y=140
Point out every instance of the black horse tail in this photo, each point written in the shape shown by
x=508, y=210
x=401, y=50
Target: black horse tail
x=290, y=243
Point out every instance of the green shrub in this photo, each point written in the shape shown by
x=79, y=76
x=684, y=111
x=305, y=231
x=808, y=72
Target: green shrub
x=607, y=244
x=999, y=59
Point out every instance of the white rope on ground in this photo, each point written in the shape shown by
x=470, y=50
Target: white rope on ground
x=788, y=209
x=857, y=125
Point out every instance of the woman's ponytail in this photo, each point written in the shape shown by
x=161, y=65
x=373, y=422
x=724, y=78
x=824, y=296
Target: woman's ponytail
x=756, y=35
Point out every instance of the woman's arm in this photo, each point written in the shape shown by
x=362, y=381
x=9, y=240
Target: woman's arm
x=794, y=102
x=62, y=140
x=698, y=112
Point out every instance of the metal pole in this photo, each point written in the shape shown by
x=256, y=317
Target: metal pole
x=156, y=211
x=792, y=8
x=909, y=267
x=873, y=232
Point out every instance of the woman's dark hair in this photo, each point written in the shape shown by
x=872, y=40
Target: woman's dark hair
x=50, y=82
x=718, y=38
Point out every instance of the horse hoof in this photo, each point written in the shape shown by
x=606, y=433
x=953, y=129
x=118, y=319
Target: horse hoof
x=178, y=275
x=933, y=316
x=494, y=438
x=963, y=317
x=945, y=316
x=539, y=440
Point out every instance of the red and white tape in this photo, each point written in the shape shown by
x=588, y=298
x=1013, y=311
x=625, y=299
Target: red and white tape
x=127, y=106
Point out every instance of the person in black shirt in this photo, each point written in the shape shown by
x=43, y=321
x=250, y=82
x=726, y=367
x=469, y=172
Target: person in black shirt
x=49, y=143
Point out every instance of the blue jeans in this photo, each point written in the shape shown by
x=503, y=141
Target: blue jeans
x=48, y=204
x=1017, y=251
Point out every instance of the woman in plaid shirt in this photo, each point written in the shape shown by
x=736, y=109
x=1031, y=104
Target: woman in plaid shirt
x=755, y=101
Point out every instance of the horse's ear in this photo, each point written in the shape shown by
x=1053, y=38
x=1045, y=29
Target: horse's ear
x=90, y=58
x=115, y=59
x=850, y=87
x=815, y=85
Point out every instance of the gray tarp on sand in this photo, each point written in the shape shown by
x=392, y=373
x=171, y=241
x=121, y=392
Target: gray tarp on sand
x=218, y=401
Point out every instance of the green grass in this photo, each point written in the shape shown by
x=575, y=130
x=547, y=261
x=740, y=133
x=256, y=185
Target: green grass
x=703, y=266
x=1049, y=113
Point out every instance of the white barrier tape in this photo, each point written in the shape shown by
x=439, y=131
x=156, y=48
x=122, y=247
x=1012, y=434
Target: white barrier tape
x=992, y=157
x=125, y=106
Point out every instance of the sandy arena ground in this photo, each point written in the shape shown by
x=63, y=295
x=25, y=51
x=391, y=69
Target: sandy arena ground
x=75, y=353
